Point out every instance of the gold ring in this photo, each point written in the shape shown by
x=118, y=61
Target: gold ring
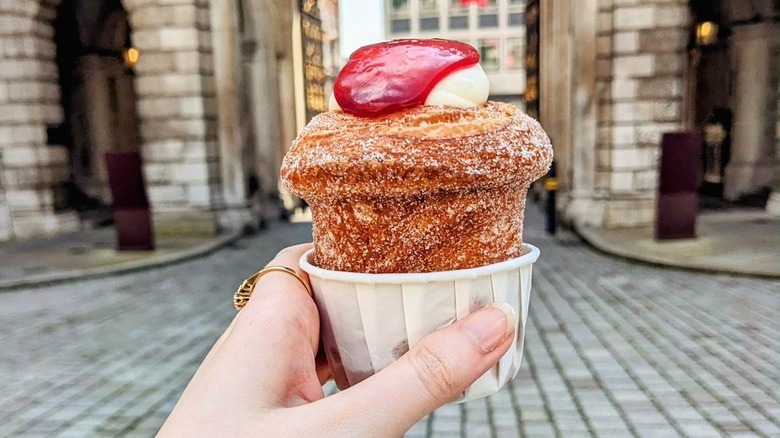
x=245, y=290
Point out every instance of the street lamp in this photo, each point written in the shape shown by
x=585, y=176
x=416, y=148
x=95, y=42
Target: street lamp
x=706, y=33
x=131, y=56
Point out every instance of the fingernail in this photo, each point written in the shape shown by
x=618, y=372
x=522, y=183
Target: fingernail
x=490, y=326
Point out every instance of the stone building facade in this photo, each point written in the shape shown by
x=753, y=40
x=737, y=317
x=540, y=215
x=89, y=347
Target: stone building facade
x=616, y=74
x=209, y=104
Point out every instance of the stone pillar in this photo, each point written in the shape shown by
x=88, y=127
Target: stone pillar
x=228, y=78
x=556, y=81
x=643, y=99
x=584, y=112
x=177, y=111
x=568, y=106
x=752, y=162
x=648, y=70
x=6, y=222
x=30, y=170
x=773, y=204
x=271, y=36
x=612, y=75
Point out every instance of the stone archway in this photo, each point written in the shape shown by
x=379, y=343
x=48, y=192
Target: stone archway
x=734, y=94
x=97, y=96
x=176, y=108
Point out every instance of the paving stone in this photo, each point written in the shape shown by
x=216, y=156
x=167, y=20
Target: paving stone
x=610, y=345
x=419, y=429
x=699, y=429
x=445, y=425
x=767, y=427
x=535, y=430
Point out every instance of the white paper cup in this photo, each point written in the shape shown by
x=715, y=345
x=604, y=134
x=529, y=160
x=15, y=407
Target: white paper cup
x=369, y=320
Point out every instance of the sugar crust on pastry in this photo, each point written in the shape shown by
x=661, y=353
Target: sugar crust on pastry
x=419, y=151
x=431, y=188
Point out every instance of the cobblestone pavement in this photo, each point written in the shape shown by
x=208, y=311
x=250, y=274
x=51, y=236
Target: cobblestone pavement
x=613, y=349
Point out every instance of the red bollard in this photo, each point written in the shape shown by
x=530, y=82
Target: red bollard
x=678, y=202
x=132, y=216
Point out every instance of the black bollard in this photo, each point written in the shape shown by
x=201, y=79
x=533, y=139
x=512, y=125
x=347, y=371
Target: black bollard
x=551, y=186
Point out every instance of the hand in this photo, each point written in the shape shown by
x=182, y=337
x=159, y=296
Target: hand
x=263, y=376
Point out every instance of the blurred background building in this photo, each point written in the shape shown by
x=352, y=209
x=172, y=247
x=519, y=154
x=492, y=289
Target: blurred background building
x=614, y=76
x=495, y=27
x=210, y=93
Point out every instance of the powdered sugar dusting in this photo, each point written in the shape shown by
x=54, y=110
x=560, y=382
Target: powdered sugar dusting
x=426, y=189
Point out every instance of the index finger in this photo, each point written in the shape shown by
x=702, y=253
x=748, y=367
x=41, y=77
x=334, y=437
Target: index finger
x=289, y=258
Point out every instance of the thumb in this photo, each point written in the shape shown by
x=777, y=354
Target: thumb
x=435, y=371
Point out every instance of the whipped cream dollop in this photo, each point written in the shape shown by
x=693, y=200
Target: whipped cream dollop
x=464, y=88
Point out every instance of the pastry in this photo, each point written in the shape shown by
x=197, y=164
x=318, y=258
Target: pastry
x=414, y=170
x=417, y=189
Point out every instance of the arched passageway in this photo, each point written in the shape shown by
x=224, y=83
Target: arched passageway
x=95, y=57
x=733, y=88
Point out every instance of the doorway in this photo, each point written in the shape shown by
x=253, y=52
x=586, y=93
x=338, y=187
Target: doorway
x=95, y=60
x=733, y=100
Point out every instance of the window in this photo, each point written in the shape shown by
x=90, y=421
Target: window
x=457, y=5
x=400, y=25
x=458, y=15
x=429, y=24
x=400, y=22
x=400, y=6
x=459, y=22
x=516, y=13
x=488, y=20
x=488, y=52
x=429, y=6
x=488, y=15
x=513, y=59
x=429, y=15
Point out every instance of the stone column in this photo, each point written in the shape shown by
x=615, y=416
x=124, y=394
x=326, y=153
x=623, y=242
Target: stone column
x=752, y=162
x=177, y=111
x=584, y=107
x=31, y=171
x=773, y=204
x=556, y=78
x=268, y=88
x=227, y=75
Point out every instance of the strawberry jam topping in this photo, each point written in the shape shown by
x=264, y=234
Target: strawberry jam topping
x=383, y=78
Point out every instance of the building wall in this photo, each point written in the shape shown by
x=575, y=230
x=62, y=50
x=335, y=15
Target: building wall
x=773, y=204
x=640, y=71
x=29, y=102
x=643, y=83
x=177, y=110
x=6, y=229
x=194, y=171
x=611, y=82
x=776, y=81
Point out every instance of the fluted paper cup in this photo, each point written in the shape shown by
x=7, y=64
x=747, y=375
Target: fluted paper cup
x=369, y=320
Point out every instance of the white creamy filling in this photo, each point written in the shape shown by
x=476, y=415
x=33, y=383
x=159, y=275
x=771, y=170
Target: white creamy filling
x=464, y=88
